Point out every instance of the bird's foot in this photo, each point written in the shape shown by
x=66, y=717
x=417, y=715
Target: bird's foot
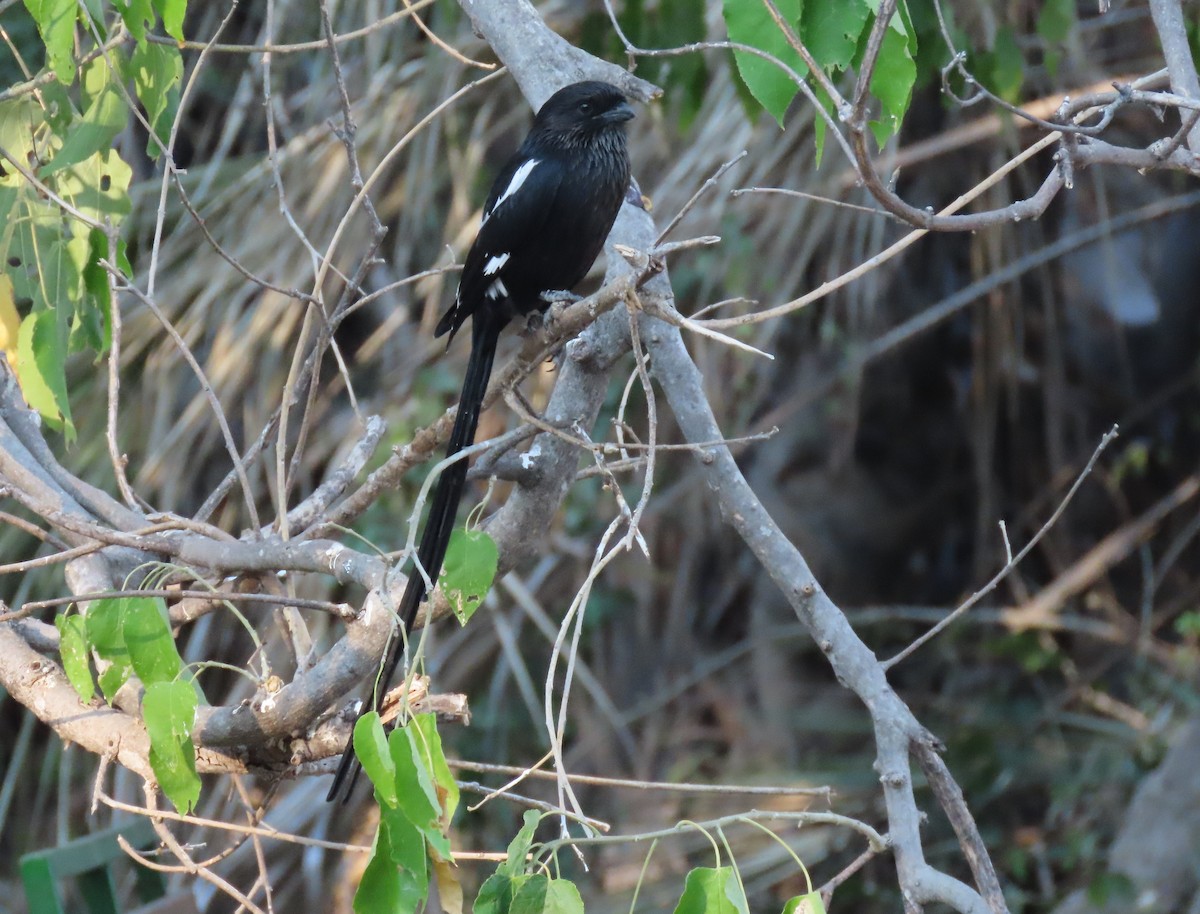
x=540, y=321
x=534, y=322
x=557, y=302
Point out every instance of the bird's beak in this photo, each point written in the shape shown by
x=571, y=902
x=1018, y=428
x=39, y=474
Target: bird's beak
x=619, y=114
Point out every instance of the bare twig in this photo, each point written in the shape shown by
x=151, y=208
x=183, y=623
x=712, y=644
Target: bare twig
x=218, y=411
x=991, y=585
x=649, y=786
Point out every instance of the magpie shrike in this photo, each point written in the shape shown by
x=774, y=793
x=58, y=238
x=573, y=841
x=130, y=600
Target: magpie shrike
x=545, y=221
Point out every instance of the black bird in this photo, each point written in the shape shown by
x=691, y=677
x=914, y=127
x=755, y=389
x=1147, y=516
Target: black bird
x=544, y=223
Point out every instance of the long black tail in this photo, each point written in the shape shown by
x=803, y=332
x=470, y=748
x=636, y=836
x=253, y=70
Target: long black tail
x=485, y=331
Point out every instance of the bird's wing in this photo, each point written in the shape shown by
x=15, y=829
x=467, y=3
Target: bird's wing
x=520, y=201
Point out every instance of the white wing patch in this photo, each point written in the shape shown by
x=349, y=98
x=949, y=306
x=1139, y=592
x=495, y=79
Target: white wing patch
x=496, y=290
x=495, y=264
x=518, y=178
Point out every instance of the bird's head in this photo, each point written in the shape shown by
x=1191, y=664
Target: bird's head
x=580, y=111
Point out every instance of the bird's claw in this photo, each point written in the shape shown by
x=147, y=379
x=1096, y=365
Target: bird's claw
x=534, y=322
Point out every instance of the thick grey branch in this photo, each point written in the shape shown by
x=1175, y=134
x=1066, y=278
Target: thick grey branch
x=1168, y=21
x=1160, y=831
x=540, y=60
x=852, y=661
x=40, y=685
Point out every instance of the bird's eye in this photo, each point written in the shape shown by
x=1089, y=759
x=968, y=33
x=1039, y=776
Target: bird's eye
x=585, y=107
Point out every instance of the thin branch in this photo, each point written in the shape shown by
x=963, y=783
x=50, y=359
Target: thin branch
x=950, y=798
x=1172, y=34
x=695, y=198
x=888, y=253
x=299, y=47
x=876, y=840
x=1004, y=572
x=650, y=786
x=218, y=411
x=340, y=610
x=114, y=380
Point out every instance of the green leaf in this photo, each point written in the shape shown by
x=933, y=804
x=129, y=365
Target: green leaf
x=1006, y=67
x=407, y=849
x=157, y=71
x=41, y=357
x=86, y=322
x=1054, y=24
x=417, y=797
x=530, y=897
x=542, y=895
x=114, y=676
x=518, y=848
x=56, y=24
x=709, y=890
x=72, y=648
x=95, y=11
x=371, y=747
x=396, y=878
x=57, y=109
x=893, y=79
x=831, y=31
x=1188, y=624
x=819, y=126
x=681, y=22
x=152, y=650
x=468, y=571
x=749, y=22
x=1055, y=20
x=61, y=271
x=44, y=266
x=496, y=894
x=137, y=15
x=105, y=628
x=172, y=12
x=98, y=187
x=429, y=746
x=805, y=904
x=498, y=890
x=562, y=897
x=169, y=709
x=30, y=229
x=105, y=117
x=1112, y=890
x=93, y=316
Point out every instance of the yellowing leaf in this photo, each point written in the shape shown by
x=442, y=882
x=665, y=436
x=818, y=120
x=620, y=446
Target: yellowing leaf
x=10, y=322
x=805, y=904
x=450, y=890
x=98, y=187
x=43, y=376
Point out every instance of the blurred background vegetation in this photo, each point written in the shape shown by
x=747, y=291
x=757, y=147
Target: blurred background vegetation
x=891, y=468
